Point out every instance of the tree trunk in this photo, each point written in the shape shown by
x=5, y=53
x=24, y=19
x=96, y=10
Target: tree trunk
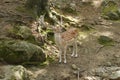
x=41, y=7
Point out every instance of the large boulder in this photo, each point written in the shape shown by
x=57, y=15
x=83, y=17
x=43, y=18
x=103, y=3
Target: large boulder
x=16, y=52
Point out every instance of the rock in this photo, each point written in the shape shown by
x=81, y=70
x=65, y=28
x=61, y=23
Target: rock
x=72, y=5
x=117, y=56
x=109, y=63
x=90, y=78
x=2, y=75
x=97, y=3
x=103, y=73
x=16, y=73
x=109, y=10
x=2, y=14
x=104, y=40
x=65, y=77
x=74, y=67
x=75, y=72
x=17, y=52
x=118, y=12
x=86, y=1
x=113, y=16
x=114, y=75
x=86, y=27
x=111, y=73
x=22, y=33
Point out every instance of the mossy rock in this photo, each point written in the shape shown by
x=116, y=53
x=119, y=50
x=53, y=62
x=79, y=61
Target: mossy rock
x=86, y=27
x=22, y=33
x=108, y=6
x=118, y=12
x=113, y=16
x=17, y=52
x=109, y=10
x=18, y=72
x=106, y=41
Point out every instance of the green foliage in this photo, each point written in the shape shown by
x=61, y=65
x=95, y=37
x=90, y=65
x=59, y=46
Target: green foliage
x=106, y=41
x=48, y=61
x=50, y=36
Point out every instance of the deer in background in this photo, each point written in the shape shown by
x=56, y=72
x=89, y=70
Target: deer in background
x=65, y=39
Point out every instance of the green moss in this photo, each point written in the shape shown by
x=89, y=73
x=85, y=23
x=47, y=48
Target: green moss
x=110, y=10
x=22, y=33
x=16, y=51
x=86, y=27
x=110, y=6
x=106, y=41
x=113, y=16
x=50, y=36
x=48, y=61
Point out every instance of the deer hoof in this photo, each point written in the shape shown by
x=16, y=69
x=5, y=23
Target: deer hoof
x=72, y=55
x=76, y=55
x=65, y=61
x=60, y=61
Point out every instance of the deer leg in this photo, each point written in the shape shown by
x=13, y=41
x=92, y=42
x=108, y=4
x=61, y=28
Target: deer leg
x=74, y=48
x=65, y=61
x=73, y=52
x=60, y=56
x=76, y=55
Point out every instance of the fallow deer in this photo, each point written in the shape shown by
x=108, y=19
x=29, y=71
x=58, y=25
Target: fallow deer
x=65, y=39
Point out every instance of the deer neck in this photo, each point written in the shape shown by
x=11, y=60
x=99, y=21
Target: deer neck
x=57, y=37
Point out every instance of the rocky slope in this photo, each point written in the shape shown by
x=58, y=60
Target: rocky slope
x=98, y=44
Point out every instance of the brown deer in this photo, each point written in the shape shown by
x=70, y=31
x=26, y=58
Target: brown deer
x=65, y=39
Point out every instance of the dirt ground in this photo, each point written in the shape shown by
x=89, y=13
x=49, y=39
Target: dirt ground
x=89, y=57
x=90, y=53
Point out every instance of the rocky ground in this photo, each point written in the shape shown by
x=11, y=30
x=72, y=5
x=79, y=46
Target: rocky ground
x=95, y=61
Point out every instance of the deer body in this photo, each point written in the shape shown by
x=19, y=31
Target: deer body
x=64, y=39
